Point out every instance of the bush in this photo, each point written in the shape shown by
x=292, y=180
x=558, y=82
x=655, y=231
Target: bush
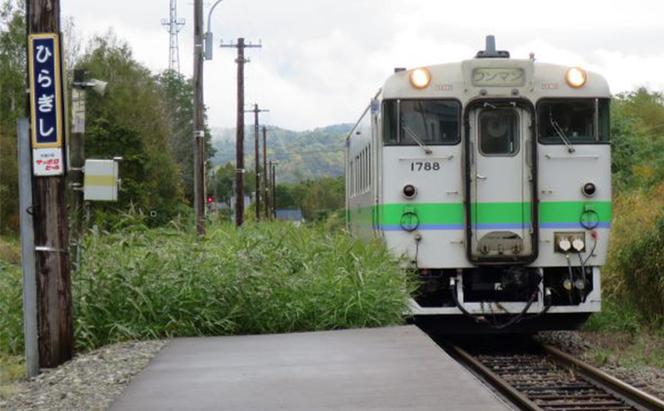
x=11, y=306
x=616, y=316
x=636, y=254
x=642, y=265
x=268, y=278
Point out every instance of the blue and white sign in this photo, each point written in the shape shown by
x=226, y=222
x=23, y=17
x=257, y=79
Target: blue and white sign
x=46, y=104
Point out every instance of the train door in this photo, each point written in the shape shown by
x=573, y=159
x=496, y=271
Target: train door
x=500, y=168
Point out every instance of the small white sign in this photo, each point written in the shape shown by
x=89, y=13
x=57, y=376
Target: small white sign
x=101, y=180
x=47, y=162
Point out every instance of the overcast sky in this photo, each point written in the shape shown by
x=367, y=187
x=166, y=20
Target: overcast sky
x=322, y=59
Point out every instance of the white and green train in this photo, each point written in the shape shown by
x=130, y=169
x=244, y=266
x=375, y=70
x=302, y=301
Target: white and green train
x=493, y=177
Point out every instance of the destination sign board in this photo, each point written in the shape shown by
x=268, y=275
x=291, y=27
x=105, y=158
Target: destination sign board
x=46, y=104
x=499, y=77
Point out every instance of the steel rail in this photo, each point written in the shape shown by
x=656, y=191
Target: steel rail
x=518, y=398
x=605, y=381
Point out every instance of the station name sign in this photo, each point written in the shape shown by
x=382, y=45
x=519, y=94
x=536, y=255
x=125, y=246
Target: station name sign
x=46, y=104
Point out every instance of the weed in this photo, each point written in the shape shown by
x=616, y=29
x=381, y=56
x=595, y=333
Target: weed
x=269, y=278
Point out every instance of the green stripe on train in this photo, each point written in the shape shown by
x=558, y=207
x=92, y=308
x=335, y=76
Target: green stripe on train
x=489, y=213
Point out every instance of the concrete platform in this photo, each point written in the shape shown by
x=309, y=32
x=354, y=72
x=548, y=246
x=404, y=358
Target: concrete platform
x=397, y=368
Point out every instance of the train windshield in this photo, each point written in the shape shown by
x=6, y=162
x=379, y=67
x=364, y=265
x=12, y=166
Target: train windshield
x=577, y=121
x=421, y=122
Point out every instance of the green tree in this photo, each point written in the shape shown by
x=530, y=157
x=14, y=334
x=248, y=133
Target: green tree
x=12, y=105
x=638, y=139
x=129, y=121
x=177, y=94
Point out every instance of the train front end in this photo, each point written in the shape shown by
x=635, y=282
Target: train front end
x=492, y=177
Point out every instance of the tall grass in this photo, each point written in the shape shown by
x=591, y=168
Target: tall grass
x=635, y=270
x=268, y=278
x=11, y=305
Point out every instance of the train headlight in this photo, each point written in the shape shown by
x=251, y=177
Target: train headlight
x=420, y=78
x=589, y=189
x=565, y=244
x=576, y=77
x=409, y=191
x=580, y=285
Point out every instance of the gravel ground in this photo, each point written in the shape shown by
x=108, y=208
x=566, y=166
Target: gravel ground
x=90, y=381
x=581, y=344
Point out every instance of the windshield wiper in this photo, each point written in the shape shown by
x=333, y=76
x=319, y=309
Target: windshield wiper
x=561, y=133
x=417, y=139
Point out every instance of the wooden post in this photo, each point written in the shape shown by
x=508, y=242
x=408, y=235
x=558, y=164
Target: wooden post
x=239, y=136
x=266, y=175
x=199, y=120
x=273, y=170
x=257, y=164
x=56, y=331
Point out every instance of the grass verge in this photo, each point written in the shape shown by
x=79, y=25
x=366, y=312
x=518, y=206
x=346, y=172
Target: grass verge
x=144, y=283
x=619, y=335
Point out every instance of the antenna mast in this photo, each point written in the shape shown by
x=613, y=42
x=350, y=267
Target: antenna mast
x=174, y=25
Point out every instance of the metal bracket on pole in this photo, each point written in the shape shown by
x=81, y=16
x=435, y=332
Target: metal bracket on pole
x=47, y=249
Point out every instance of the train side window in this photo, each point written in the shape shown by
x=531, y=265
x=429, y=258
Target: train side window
x=433, y=122
x=369, y=151
x=362, y=171
x=579, y=121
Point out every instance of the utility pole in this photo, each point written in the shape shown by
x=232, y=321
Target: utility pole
x=266, y=177
x=257, y=161
x=77, y=147
x=273, y=171
x=51, y=236
x=77, y=153
x=199, y=121
x=239, y=137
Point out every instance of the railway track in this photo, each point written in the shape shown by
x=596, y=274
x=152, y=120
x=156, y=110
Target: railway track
x=541, y=377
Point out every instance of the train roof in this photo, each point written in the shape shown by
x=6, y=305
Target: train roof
x=495, y=78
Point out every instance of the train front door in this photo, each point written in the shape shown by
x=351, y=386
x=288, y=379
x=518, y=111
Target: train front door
x=500, y=176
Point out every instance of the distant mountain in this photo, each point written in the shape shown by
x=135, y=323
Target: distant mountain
x=301, y=155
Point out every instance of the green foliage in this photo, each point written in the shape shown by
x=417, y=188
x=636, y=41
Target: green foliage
x=318, y=199
x=615, y=317
x=146, y=119
x=177, y=100
x=129, y=121
x=633, y=273
x=141, y=283
x=307, y=155
x=12, y=104
x=11, y=308
x=223, y=183
x=637, y=128
x=641, y=265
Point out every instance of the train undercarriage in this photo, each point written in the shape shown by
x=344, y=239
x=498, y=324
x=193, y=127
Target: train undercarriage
x=505, y=298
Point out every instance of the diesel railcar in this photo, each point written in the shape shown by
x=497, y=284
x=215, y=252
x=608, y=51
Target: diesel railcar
x=491, y=176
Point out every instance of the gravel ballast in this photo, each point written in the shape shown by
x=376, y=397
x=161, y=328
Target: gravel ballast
x=91, y=381
x=580, y=344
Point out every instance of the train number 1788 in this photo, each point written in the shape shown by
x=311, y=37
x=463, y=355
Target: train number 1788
x=424, y=166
